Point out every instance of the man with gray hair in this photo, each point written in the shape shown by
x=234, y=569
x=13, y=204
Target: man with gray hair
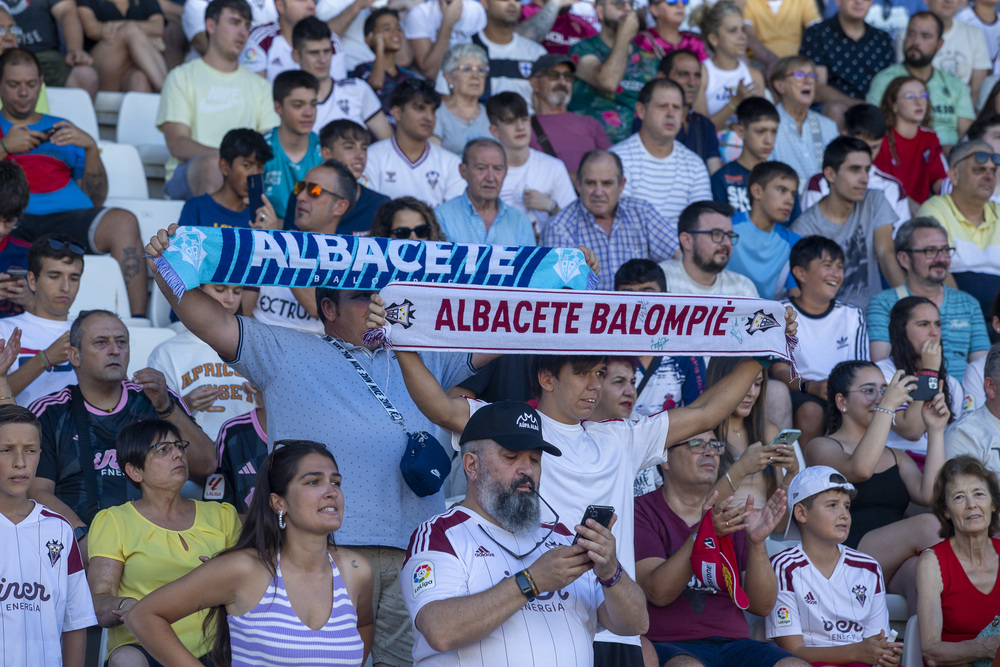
x=478, y=215
x=924, y=254
x=978, y=432
x=487, y=582
x=971, y=220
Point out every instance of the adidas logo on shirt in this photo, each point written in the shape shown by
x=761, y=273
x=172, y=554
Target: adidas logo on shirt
x=248, y=469
x=810, y=599
x=482, y=552
x=842, y=342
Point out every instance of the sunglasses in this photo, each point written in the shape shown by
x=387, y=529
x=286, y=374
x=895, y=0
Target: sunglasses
x=420, y=231
x=981, y=157
x=669, y=2
x=314, y=190
x=63, y=246
x=553, y=75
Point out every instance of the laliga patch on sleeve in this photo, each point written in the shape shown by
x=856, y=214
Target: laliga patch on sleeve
x=784, y=617
x=215, y=486
x=423, y=577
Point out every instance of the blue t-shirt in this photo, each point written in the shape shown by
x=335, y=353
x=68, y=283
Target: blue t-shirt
x=13, y=255
x=204, y=211
x=281, y=174
x=729, y=186
x=52, y=172
x=763, y=256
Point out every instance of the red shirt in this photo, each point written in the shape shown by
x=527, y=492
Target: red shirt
x=916, y=162
x=965, y=610
x=565, y=32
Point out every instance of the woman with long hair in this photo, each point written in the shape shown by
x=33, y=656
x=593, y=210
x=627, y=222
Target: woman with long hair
x=285, y=592
x=406, y=218
x=910, y=149
x=859, y=414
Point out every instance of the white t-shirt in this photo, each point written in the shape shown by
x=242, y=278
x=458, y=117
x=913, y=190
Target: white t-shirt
x=670, y=184
x=353, y=99
x=964, y=50
x=41, y=562
x=268, y=51
x=843, y=609
x=433, y=178
x=543, y=173
x=991, y=33
x=597, y=467
x=976, y=434
x=278, y=306
x=840, y=334
x=972, y=384
x=890, y=186
x=37, y=333
x=424, y=22
x=188, y=363
x=458, y=553
x=193, y=18
x=721, y=83
x=728, y=283
x=894, y=440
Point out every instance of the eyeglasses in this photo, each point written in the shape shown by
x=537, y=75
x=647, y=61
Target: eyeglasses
x=981, y=158
x=420, y=231
x=314, y=190
x=718, y=235
x=654, y=3
x=812, y=76
x=163, y=449
x=62, y=246
x=931, y=252
x=869, y=392
x=473, y=69
x=537, y=544
x=13, y=30
x=555, y=75
x=914, y=96
x=699, y=446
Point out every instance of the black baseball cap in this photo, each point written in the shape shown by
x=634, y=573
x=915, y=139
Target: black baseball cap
x=511, y=424
x=550, y=60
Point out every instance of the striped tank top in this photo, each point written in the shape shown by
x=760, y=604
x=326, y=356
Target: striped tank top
x=271, y=635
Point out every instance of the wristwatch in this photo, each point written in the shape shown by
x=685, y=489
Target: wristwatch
x=525, y=585
x=80, y=532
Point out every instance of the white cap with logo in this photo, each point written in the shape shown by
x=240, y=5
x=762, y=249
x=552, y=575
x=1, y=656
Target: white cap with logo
x=809, y=482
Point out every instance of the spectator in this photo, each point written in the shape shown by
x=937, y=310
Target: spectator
x=976, y=433
x=819, y=503
x=766, y=242
x=847, y=53
x=65, y=175
x=892, y=16
x=654, y=162
x=193, y=20
x=408, y=163
x=802, y=133
x=964, y=51
x=242, y=153
x=55, y=265
x=406, y=218
x=705, y=232
x=461, y=116
x=242, y=448
x=435, y=27
x=554, y=130
x=51, y=628
x=757, y=126
x=970, y=219
x=665, y=35
x=347, y=142
x=107, y=402
x=923, y=253
x=268, y=49
x=294, y=369
x=986, y=128
x=127, y=48
x=384, y=36
x=989, y=99
x=479, y=215
x=507, y=50
x=953, y=610
x=153, y=540
x=912, y=152
x=697, y=132
x=689, y=622
x=294, y=146
x=616, y=228
x=205, y=98
x=501, y=454
x=950, y=99
x=14, y=197
x=983, y=15
x=611, y=70
x=726, y=79
x=858, y=219
x=972, y=380
x=836, y=331
x=9, y=34
x=249, y=576
x=46, y=29
x=780, y=32
x=867, y=123
x=211, y=390
x=557, y=25
x=346, y=98
x=618, y=390
x=536, y=184
x=858, y=418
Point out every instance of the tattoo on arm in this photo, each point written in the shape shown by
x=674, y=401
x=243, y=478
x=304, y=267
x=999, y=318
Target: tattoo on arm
x=539, y=25
x=130, y=262
x=95, y=184
x=354, y=564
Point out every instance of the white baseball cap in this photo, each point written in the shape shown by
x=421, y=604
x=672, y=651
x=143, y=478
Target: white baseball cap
x=809, y=482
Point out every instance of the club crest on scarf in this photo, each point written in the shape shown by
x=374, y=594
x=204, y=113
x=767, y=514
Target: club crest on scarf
x=400, y=313
x=761, y=321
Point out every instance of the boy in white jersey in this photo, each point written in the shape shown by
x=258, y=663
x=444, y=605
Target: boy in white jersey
x=831, y=598
x=45, y=604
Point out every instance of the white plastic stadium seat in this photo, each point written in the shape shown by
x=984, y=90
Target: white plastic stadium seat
x=912, y=657
x=126, y=176
x=142, y=342
x=152, y=214
x=137, y=126
x=75, y=105
x=101, y=286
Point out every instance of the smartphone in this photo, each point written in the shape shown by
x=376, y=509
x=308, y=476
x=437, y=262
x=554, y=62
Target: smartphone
x=927, y=388
x=17, y=273
x=255, y=192
x=600, y=513
x=787, y=436
x=49, y=132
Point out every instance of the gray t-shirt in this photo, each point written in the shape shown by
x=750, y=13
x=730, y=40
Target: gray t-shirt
x=311, y=392
x=455, y=132
x=856, y=238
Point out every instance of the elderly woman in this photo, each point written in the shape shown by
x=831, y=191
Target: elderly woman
x=406, y=218
x=462, y=118
x=957, y=579
x=137, y=547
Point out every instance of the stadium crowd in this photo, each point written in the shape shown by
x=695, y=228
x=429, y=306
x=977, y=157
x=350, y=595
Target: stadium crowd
x=237, y=497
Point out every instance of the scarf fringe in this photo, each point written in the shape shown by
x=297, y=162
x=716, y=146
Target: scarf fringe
x=170, y=276
x=376, y=337
x=791, y=342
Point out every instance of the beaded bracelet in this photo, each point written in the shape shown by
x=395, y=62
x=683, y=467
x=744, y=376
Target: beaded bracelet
x=879, y=408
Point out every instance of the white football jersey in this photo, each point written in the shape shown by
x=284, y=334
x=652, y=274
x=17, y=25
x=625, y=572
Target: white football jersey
x=433, y=178
x=840, y=334
x=353, y=99
x=268, y=51
x=37, y=333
